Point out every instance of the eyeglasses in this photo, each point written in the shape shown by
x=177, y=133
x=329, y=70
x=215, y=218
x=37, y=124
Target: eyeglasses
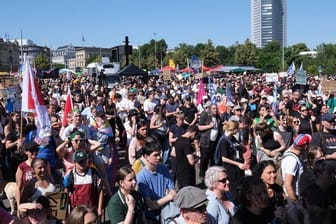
x=295, y=122
x=224, y=180
x=304, y=110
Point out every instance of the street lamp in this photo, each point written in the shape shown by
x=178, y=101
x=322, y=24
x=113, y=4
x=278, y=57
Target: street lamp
x=139, y=56
x=154, y=50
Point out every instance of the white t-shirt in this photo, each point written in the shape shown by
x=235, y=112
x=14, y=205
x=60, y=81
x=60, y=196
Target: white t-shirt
x=291, y=164
x=149, y=106
x=214, y=130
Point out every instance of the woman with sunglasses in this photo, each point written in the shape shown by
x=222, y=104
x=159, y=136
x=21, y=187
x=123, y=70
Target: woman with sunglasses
x=73, y=143
x=220, y=207
x=307, y=125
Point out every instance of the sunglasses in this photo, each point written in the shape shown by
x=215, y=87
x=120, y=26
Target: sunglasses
x=224, y=180
x=78, y=140
x=304, y=110
x=295, y=122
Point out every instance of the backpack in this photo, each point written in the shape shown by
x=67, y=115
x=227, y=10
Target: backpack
x=278, y=166
x=94, y=176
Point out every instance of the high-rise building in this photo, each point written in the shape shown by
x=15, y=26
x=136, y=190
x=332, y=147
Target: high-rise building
x=269, y=22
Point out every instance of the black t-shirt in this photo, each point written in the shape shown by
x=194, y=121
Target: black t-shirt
x=185, y=173
x=177, y=130
x=244, y=216
x=327, y=141
x=189, y=113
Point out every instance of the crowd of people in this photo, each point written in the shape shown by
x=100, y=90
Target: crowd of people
x=246, y=151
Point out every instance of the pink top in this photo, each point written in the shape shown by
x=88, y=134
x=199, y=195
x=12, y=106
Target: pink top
x=68, y=162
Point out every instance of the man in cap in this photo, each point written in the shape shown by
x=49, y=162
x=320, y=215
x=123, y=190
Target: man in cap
x=225, y=116
x=192, y=203
x=291, y=166
x=237, y=113
x=83, y=183
x=326, y=138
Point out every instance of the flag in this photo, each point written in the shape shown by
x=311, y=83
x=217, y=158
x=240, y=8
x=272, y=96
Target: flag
x=83, y=39
x=195, y=62
x=212, y=91
x=171, y=63
x=275, y=101
x=228, y=93
x=301, y=67
x=291, y=69
x=32, y=101
x=68, y=108
x=201, y=92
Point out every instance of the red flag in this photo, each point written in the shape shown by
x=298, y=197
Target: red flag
x=201, y=92
x=68, y=108
x=32, y=101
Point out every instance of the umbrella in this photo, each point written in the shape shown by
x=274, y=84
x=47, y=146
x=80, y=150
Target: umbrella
x=65, y=70
x=167, y=68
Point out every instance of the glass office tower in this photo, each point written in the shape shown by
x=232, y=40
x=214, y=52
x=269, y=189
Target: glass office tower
x=268, y=22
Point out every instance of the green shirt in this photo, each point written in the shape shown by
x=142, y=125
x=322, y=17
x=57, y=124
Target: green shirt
x=117, y=208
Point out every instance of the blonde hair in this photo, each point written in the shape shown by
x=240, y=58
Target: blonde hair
x=230, y=126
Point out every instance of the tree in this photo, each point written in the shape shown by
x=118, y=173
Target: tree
x=182, y=54
x=270, y=57
x=209, y=55
x=246, y=54
x=326, y=57
x=41, y=62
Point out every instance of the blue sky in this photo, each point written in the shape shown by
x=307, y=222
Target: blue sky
x=105, y=23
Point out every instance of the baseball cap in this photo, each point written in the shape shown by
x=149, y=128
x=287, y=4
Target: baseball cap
x=79, y=156
x=190, y=197
x=327, y=117
x=302, y=140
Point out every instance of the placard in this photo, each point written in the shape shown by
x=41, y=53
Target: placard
x=198, y=75
x=59, y=204
x=166, y=75
x=301, y=77
x=271, y=77
x=328, y=85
